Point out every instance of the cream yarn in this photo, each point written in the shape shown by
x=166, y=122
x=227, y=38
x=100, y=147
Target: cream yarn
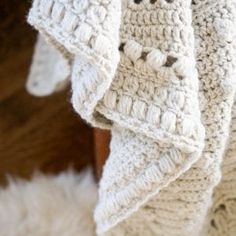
x=86, y=32
x=173, y=79
x=155, y=96
x=46, y=78
x=222, y=214
x=181, y=208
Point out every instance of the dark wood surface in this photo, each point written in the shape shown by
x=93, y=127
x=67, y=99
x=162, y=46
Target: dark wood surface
x=35, y=133
x=101, y=149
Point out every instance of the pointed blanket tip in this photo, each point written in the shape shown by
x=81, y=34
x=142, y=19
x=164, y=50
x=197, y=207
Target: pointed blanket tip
x=137, y=169
x=86, y=32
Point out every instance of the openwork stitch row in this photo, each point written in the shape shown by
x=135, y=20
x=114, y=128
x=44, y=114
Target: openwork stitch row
x=168, y=121
x=84, y=99
x=144, y=71
x=77, y=30
x=152, y=1
x=183, y=67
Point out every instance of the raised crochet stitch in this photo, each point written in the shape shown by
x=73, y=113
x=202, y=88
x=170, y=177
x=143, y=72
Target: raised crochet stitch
x=154, y=99
x=158, y=73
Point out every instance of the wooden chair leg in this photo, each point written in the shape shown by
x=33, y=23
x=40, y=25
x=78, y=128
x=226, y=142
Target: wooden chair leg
x=101, y=148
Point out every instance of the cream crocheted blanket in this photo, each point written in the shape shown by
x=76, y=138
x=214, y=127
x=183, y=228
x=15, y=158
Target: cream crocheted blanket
x=161, y=75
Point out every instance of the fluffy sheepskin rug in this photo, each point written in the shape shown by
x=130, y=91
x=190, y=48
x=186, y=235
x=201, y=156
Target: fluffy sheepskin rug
x=49, y=206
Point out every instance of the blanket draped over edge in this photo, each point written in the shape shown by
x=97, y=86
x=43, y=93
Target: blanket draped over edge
x=161, y=75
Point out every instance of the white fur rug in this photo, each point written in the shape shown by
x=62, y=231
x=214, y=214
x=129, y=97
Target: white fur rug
x=49, y=206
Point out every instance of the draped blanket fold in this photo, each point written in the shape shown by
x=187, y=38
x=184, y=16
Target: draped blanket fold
x=158, y=74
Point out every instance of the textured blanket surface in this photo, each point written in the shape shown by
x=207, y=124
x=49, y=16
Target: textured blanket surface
x=161, y=75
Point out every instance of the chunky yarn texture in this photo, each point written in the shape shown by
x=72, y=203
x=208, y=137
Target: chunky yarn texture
x=161, y=75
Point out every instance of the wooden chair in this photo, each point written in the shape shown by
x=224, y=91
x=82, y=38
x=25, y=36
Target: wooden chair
x=101, y=149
